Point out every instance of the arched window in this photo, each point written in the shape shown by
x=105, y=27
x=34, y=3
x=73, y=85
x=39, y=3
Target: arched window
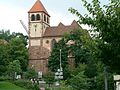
x=45, y=18
x=37, y=17
x=48, y=20
x=33, y=17
x=53, y=43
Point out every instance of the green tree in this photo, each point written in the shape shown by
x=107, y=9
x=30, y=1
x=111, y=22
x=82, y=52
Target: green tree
x=18, y=51
x=4, y=58
x=30, y=73
x=104, y=20
x=81, y=48
x=54, y=59
x=14, y=67
x=5, y=35
x=79, y=80
x=49, y=78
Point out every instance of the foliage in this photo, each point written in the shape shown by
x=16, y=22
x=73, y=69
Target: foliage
x=82, y=46
x=18, y=51
x=14, y=67
x=79, y=82
x=25, y=84
x=12, y=47
x=4, y=58
x=90, y=70
x=54, y=59
x=5, y=78
x=49, y=78
x=104, y=20
x=6, y=35
x=30, y=73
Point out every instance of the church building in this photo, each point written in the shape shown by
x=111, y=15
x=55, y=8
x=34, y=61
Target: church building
x=42, y=36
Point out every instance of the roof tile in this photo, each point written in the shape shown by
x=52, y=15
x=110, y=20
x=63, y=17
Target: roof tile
x=60, y=30
x=38, y=7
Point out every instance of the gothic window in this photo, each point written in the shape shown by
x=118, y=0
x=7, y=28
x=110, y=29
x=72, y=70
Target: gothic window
x=33, y=17
x=37, y=17
x=53, y=43
x=45, y=18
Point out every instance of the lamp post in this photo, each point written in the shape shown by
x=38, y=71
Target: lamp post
x=60, y=61
x=59, y=73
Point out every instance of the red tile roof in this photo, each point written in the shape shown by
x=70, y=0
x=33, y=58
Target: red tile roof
x=38, y=7
x=59, y=30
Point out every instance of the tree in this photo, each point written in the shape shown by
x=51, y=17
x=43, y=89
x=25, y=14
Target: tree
x=54, y=59
x=81, y=49
x=7, y=36
x=4, y=58
x=30, y=73
x=104, y=20
x=49, y=78
x=18, y=51
x=79, y=80
x=14, y=67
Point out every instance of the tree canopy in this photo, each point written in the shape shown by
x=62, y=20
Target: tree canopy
x=106, y=21
x=13, y=47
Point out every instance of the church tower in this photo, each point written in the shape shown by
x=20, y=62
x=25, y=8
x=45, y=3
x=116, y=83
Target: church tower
x=38, y=20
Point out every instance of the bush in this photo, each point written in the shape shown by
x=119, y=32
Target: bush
x=26, y=84
x=5, y=78
x=30, y=73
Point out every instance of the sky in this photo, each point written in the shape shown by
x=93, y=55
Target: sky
x=11, y=11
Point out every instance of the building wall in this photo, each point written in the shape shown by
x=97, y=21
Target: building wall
x=39, y=65
x=35, y=42
x=47, y=42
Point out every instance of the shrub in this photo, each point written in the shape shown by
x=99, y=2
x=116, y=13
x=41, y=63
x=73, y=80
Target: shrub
x=26, y=84
x=5, y=78
x=30, y=73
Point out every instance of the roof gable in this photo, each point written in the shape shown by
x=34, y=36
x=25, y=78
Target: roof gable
x=38, y=7
x=60, y=30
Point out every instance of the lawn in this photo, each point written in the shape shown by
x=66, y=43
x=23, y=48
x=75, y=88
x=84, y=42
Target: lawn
x=9, y=86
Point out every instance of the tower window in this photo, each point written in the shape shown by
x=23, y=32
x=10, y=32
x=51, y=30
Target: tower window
x=37, y=17
x=48, y=20
x=45, y=18
x=33, y=17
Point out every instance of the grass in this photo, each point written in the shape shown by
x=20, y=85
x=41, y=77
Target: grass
x=9, y=86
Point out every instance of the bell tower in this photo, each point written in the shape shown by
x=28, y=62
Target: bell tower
x=38, y=21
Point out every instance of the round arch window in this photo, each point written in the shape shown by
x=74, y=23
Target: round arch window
x=32, y=17
x=37, y=17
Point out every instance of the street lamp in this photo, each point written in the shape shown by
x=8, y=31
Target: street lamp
x=59, y=73
x=60, y=61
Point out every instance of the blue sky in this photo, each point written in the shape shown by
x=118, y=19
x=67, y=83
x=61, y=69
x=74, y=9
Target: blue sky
x=11, y=11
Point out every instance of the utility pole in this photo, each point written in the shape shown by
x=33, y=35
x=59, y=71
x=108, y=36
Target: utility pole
x=105, y=78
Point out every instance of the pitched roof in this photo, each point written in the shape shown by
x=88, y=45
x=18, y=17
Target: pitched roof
x=59, y=30
x=38, y=7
